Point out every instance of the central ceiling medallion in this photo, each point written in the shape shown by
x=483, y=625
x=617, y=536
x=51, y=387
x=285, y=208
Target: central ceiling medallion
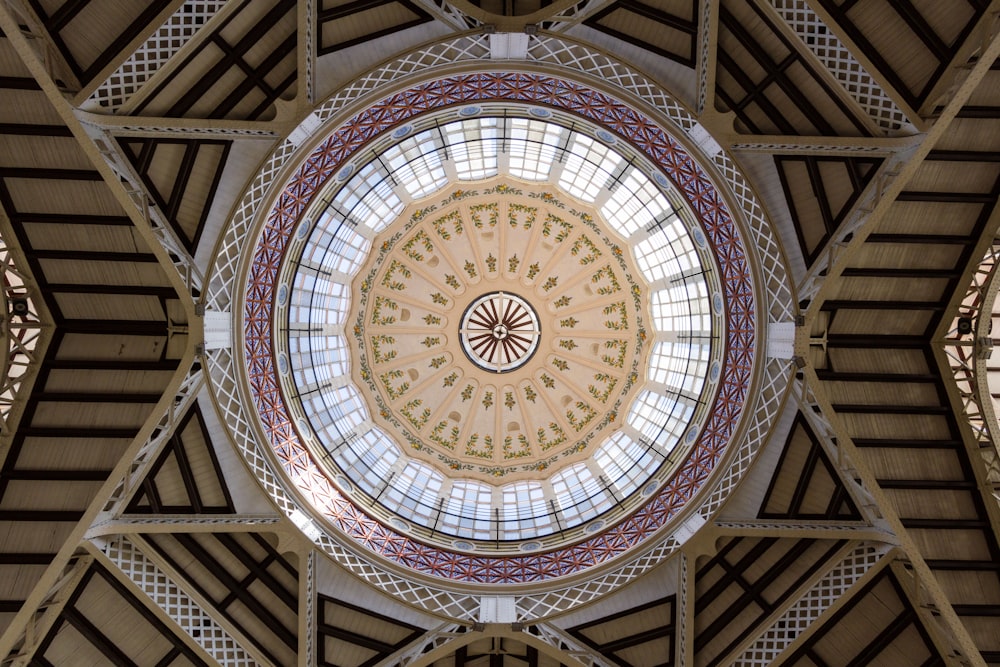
x=499, y=332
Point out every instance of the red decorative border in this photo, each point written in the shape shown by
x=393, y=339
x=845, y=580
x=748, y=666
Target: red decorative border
x=724, y=240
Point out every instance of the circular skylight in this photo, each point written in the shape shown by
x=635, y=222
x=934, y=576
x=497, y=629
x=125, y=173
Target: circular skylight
x=499, y=328
x=313, y=232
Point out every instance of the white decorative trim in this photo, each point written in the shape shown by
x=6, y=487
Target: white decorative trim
x=810, y=607
x=161, y=46
x=196, y=622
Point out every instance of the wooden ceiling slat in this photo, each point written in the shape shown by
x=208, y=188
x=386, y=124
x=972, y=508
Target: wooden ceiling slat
x=87, y=57
x=19, y=83
x=777, y=89
x=29, y=129
x=837, y=304
x=20, y=558
x=840, y=376
x=54, y=516
x=23, y=474
x=631, y=20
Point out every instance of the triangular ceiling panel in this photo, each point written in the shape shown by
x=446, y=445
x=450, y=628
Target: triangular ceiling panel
x=667, y=28
x=186, y=477
x=820, y=192
x=805, y=485
x=182, y=177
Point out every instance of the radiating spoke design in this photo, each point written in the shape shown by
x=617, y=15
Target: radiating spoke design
x=499, y=331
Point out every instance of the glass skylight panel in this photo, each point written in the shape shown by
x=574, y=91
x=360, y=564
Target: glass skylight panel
x=415, y=490
x=651, y=412
x=346, y=252
x=589, y=166
x=315, y=359
x=532, y=148
x=417, y=164
x=468, y=509
x=656, y=258
x=635, y=204
x=368, y=198
x=578, y=494
x=625, y=462
x=473, y=146
x=378, y=208
x=660, y=418
x=524, y=511
x=368, y=459
x=347, y=407
x=680, y=365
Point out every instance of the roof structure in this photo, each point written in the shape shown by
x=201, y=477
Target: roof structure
x=316, y=353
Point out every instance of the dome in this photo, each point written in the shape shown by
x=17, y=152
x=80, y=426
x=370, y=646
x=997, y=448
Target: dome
x=506, y=353
x=410, y=417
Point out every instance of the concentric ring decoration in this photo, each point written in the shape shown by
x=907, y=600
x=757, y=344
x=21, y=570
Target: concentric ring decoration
x=721, y=232
x=499, y=332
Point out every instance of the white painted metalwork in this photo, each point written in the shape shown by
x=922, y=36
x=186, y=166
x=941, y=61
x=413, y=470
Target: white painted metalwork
x=196, y=622
x=564, y=642
x=707, y=37
x=25, y=329
x=307, y=611
x=968, y=351
x=162, y=523
x=808, y=608
x=429, y=641
x=841, y=63
x=575, y=14
x=161, y=46
x=683, y=634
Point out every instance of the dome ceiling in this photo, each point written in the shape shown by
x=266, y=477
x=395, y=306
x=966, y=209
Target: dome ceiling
x=596, y=153
x=500, y=333
x=497, y=331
